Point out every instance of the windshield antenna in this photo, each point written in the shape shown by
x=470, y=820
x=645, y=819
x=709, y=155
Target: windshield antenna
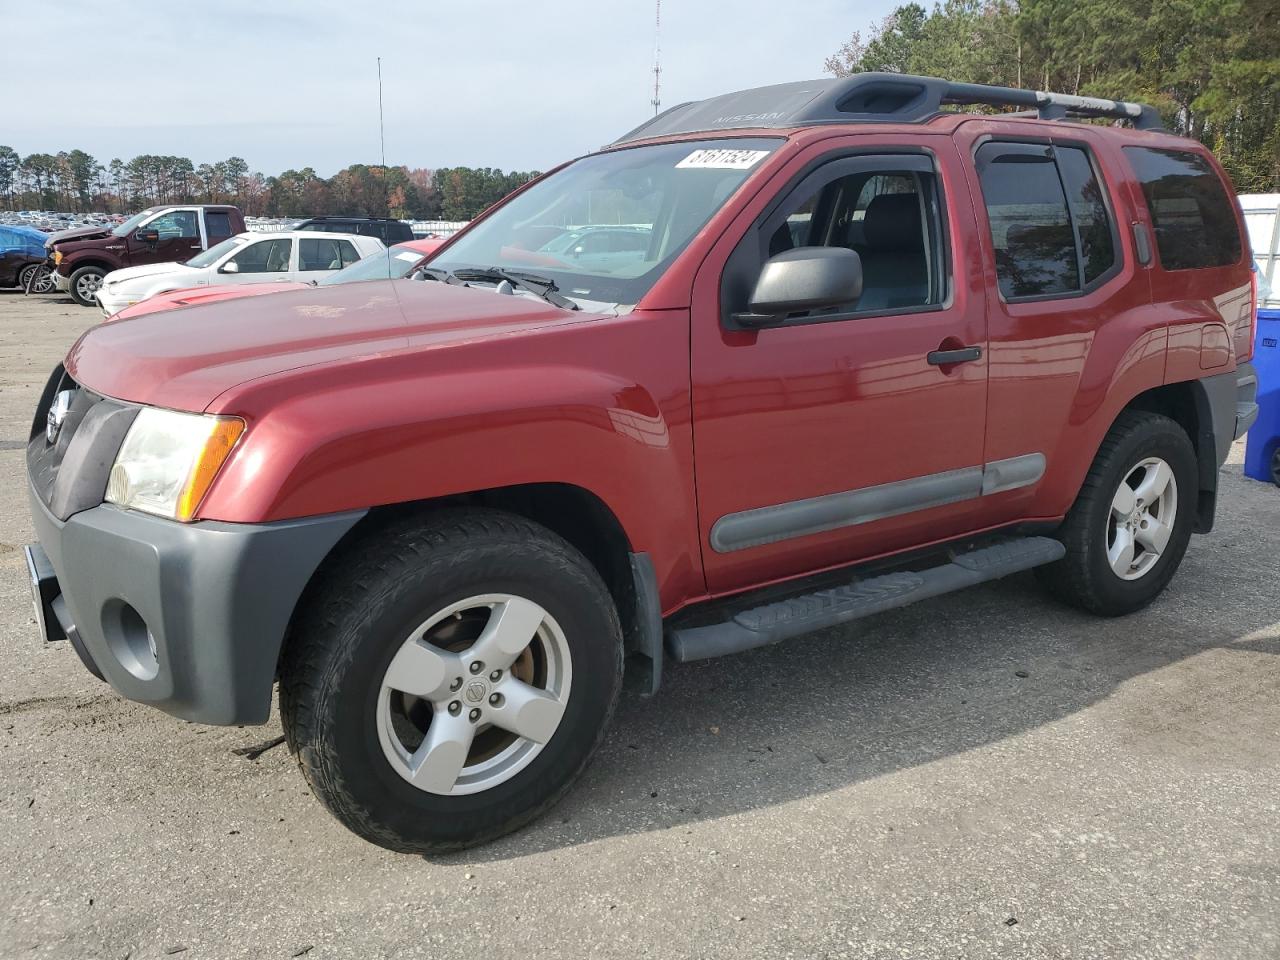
x=657, y=59
x=382, y=140
x=382, y=136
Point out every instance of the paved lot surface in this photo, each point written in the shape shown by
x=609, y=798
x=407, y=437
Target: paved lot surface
x=898, y=790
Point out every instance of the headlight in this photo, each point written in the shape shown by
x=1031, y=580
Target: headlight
x=168, y=461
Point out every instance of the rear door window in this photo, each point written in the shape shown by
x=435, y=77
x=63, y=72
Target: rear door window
x=1051, y=228
x=1030, y=225
x=324, y=253
x=217, y=226
x=1193, y=217
x=1089, y=217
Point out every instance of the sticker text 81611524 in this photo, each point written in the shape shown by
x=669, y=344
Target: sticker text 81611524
x=722, y=159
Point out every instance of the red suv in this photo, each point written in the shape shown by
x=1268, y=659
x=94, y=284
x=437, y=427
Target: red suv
x=871, y=351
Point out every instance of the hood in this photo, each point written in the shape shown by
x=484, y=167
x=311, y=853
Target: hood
x=193, y=296
x=79, y=233
x=185, y=359
x=147, y=270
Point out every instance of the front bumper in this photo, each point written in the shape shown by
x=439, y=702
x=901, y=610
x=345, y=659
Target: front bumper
x=61, y=282
x=113, y=303
x=188, y=618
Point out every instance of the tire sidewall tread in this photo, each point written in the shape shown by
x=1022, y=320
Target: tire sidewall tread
x=1083, y=578
x=369, y=600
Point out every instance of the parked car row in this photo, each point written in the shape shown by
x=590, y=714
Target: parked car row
x=297, y=257
x=187, y=234
x=374, y=264
x=48, y=221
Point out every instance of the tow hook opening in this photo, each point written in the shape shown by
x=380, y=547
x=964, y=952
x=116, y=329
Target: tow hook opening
x=130, y=639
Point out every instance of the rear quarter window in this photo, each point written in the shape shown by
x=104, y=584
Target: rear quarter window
x=217, y=225
x=1191, y=212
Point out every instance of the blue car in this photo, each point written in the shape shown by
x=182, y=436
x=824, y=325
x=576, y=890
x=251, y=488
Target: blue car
x=22, y=258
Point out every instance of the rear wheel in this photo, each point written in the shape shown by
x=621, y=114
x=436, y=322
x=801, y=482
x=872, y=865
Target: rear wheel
x=86, y=282
x=1129, y=527
x=452, y=682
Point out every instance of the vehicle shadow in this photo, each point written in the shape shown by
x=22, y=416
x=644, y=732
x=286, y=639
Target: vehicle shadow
x=896, y=691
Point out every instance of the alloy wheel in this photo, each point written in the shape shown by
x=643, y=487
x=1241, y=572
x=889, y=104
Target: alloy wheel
x=88, y=285
x=474, y=694
x=1143, y=512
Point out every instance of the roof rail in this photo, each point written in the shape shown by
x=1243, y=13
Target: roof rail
x=882, y=97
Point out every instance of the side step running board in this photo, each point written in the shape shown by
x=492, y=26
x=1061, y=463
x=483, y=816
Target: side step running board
x=773, y=622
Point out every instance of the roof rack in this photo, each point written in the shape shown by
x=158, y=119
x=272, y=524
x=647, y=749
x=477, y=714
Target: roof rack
x=879, y=97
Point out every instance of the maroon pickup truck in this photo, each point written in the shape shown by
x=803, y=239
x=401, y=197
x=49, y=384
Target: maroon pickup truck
x=81, y=258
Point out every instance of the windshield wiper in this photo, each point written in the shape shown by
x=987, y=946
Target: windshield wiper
x=543, y=287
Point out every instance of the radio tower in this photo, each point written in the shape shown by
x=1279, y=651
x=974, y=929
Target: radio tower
x=657, y=59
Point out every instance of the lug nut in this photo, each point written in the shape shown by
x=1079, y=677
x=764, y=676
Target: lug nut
x=455, y=708
x=457, y=682
x=474, y=715
x=495, y=699
x=477, y=667
x=495, y=676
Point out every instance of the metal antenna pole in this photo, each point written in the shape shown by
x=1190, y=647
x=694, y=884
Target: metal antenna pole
x=657, y=58
x=382, y=135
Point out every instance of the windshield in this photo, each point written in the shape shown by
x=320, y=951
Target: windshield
x=216, y=252
x=606, y=227
x=383, y=265
x=131, y=224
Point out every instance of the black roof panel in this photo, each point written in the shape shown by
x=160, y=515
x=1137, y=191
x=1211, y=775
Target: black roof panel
x=870, y=97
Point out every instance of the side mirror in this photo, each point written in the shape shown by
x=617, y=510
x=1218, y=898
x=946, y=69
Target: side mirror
x=146, y=235
x=806, y=278
x=229, y=267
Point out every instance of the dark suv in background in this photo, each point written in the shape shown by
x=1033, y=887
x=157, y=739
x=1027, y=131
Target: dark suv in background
x=388, y=231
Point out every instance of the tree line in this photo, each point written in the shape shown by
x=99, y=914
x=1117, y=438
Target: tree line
x=74, y=181
x=1210, y=66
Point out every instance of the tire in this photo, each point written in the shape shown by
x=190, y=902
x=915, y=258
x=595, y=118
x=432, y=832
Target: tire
x=1095, y=530
x=84, y=283
x=351, y=725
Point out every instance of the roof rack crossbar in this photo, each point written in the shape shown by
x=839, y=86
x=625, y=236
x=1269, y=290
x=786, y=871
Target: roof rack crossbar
x=892, y=97
x=1052, y=106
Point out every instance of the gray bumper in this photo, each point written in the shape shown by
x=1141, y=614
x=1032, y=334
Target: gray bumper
x=1232, y=400
x=188, y=618
x=1246, y=398
x=60, y=283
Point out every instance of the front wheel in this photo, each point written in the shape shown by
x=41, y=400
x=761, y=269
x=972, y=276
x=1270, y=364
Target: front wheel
x=1129, y=527
x=452, y=679
x=85, y=283
x=35, y=278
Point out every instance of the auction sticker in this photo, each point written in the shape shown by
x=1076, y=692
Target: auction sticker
x=409, y=255
x=722, y=159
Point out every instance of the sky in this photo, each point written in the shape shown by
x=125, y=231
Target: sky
x=285, y=84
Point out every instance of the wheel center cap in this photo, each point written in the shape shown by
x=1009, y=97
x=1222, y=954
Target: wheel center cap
x=476, y=691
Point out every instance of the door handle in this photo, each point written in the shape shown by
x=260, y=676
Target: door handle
x=944, y=358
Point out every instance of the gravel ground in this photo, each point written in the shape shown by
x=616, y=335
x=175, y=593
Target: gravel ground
x=983, y=775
